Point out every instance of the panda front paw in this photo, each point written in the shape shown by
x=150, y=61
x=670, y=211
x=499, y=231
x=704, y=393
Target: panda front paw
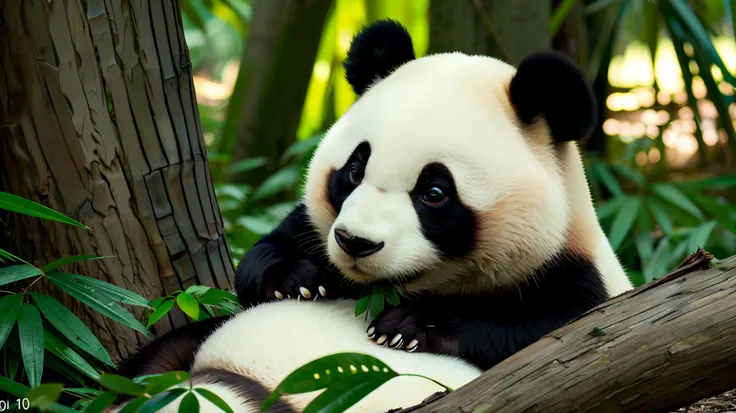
x=401, y=329
x=300, y=280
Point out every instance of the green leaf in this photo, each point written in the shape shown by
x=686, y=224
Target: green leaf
x=18, y=272
x=392, y=296
x=197, y=290
x=256, y=225
x=660, y=215
x=189, y=404
x=329, y=370
x=13, y=387
x=55, y=265
x=160, y=311
x=644, y=246
x=101, y=402
x=214, y=296
x=68, y=355
x=30, y=330
x=670, y=193
x=122, y=385
x=10, y=257
x=44, y=396
x=83, y=392
x=341, y=396
x=161, y=400
x=559, y=16
x=362, y=305
x=700, y=235
x=608, y=179
x=134, y=405
x=278, y=182
x=97, y=300
x=658, y=264
x=165, y=381
x=716, y=183
x=609, y=207
x=632, y=175
x=214, y=399
x=10, y=306
x=188, y=305
x=377, y=302
x=702, y=42
x=302, y=147
x=248, y=164
x=71, y=327
x=624, y=220
x=113, y=291
x=20, y=205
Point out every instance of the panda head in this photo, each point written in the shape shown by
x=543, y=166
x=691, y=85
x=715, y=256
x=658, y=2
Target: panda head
x=448, y=167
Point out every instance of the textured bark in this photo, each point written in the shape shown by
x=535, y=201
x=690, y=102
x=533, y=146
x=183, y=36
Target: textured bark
x=506, y=29
x=661, y=346
x=273, y=81
x=98, y=120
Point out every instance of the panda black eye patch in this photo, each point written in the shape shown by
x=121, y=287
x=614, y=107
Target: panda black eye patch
x=343, y=181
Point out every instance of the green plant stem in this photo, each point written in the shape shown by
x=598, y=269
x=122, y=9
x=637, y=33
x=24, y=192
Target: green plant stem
x=425, y=377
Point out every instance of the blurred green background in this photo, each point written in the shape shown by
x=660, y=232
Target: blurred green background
x=661, y=166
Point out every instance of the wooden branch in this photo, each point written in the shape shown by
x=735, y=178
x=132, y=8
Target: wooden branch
x=664, y=345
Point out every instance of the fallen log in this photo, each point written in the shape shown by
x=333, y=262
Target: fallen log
x=659, y=347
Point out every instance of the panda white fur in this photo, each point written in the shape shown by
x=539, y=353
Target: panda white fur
x=249, y=355
x=455, y=178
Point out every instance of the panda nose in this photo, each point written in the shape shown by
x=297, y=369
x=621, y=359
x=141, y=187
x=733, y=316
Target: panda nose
x=356, y=247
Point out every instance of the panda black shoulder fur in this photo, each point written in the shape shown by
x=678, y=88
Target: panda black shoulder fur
x=456, y=178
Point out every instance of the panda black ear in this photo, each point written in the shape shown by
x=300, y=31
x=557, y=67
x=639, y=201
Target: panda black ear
x=375, y=52
x=549, y=84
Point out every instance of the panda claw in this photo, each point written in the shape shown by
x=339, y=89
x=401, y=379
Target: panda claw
x=278, y=295
x=381, y=340
x=394, y=342
x=322, y=291
x=305, y=293
x=413, y=345
x=371, y=332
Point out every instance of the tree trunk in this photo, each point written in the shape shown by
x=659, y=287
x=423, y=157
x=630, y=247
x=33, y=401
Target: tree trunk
x=98, y=120
x=659, y=347
x=506, y=29
x=572, y=38
x=275, y=71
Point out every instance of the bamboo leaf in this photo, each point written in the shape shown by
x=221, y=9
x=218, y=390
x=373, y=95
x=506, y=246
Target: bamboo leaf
x=111, y=290
x=30, y=330
x=700, y=235
x=121, y=385
x=101, y=402
x=161, y=311
x=660, y=215
x=559, y=16
x=248, y=164
x=327, y=371
x=18, y=272
x=68, y=355
x=658, y=264
x=13, y=387
x=362, y=305
x=55, y=265
x=280, y=181
x=214, y=399
x=392, y=296
x=378, y=302
x=670, y=193
x=608, y=179
x=71, y=327
x=44, y=396
x=20, y=205
x=97, y=300
x=161, y=400
x=10, y=306
x=134, y=405
x=188, y=305
x=623, y=222
x=189, y=403
x=165, y=381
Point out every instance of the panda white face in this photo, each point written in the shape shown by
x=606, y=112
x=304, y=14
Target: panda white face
x=429, y=179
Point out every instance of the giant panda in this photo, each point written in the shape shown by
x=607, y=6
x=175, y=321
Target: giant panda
x=455, y=178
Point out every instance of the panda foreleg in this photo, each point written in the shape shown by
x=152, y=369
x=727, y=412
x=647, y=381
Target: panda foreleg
x=288, y=263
